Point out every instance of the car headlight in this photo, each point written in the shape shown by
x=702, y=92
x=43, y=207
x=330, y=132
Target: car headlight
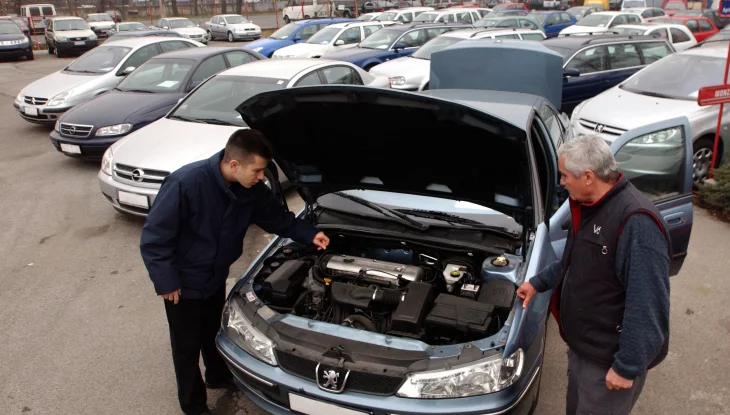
x=61, y=39
x=398, y=80
x=482, y=377
x=59, y=99
x=106, y=161
x=24, y=40
x=185, y=36
x=669, y=136
x=258, y=49
x=57, y=127
x=576, y=110
x=245, y=335
x=93, y=37
x=117, y=129
x=20, y=97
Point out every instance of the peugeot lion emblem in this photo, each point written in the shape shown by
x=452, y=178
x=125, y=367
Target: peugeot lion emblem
x=331, y=379
x=599, y=128
x=137, y=175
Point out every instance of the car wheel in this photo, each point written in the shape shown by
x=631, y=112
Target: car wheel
x=230, y=37
x=346, y=14
x=58, y=52
x=701, y=159
x=210, y=35
x=287, y=20
x=29, y=56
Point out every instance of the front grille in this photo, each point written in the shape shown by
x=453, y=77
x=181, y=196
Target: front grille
x=600, y=128
x=138, y=175
x=250, y=30
x=76, y=38
x=362, y=382
x=35, y=100
x=76, y=130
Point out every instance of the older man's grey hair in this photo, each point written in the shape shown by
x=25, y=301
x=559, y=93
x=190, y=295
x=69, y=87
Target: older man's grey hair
x=589, y=152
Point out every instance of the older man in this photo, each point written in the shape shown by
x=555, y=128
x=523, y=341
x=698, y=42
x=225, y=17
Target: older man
x=612, y=284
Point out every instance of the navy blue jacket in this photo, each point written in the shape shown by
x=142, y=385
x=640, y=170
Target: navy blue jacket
x=195, y=229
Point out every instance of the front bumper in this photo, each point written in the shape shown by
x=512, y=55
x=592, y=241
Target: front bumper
x=269, y=387
x=15, y=51
x=246, y=35
x=71, y=46
x=92, y=148
x=110, y=189
x=39, y=114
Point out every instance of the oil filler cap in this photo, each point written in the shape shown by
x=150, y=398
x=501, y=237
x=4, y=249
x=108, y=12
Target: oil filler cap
x=500, y=261
x=455, y=273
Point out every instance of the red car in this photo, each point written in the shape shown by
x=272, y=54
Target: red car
x=509, y=6
x=701, y=27
x=673, y=6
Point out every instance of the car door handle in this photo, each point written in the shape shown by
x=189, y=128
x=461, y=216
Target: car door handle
x=675, y=219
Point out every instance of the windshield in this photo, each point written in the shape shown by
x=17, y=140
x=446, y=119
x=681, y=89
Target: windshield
x=72, y=24
x=628, y=4
x=382, y=39
x=218, y=98
x=487, y=22
x=595, y=20
x=675, y=5
x=99, y=18
x=131, y=27
x=9, y=28
x=540, y=17
x=285, y=31
x=158, y=75
x=180, y=23
x=435, y=45
x=668, y=20
x=628, y=31
x=677, y=76
x=99, y=60
x=324, y=36
x=236, y=20
x=426, y=17
x=385, y=17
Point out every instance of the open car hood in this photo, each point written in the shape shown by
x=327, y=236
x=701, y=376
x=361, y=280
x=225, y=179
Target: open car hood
x=326, y=140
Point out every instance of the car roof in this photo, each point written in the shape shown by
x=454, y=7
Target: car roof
x=277, y=68
x=711, y=49
x=472, y=33
x=134, y=42
x=307, y=22
x=175, y=18
x=578, y=42
x=197, y=54
x=640, y=9
x=681, y=17
x=408, y=26
x=64, y=17
x=353, y=24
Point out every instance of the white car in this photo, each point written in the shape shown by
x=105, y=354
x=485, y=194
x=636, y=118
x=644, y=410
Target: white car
x=601, y=22
x=404, y=15
x=128, y=27
x=232, y=27
x=133, y=169
x=457, y=15
x=69, y=35
x=412, y=73
x=677, y=35
x=647, y=13
x=368, y=17
x=183, y=26
x=663, y=90
x=333, y=38
x=100, y=23
x=92, y=74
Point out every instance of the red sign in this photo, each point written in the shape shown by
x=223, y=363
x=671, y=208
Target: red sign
x=713, y=95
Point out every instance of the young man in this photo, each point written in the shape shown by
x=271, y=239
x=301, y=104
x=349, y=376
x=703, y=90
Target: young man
x=612, y=284
x=193, y=233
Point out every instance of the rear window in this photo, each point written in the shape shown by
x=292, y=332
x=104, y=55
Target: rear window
x=47, y=11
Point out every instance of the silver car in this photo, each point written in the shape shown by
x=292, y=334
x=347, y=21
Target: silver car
x=232, y=27
x=95, y=72
x=663, y=90
x=133, y=169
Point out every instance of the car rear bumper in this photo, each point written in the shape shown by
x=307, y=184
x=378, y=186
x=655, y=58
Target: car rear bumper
x=91, y=148
x=270, y=388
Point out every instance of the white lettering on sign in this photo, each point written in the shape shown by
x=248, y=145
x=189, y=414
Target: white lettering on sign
x=722, y=93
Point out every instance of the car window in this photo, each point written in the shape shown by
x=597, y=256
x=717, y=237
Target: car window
x=553, y=19
x=238, y=58
x=659, y=13
x=141, y=56
x=705, y=26
x=311, y=79
x=172, y=45
x=528, y=24
x=623, y=56
x=413, y=39
x=464, y=18
x=507, y=23
x=633, y=18
x=620, y=19
x=653, y=51
x=209, y=67
x=565, y=18
x=449, y=18
x=665, y=154
x=341, y=75
x=507, y=37
x=159, y=75
x=432, y=33
x=307, y=32
x=369, y=30
x=552, y=122
x=589, y=60
x=692, y=26
x=678, y=36
x=532, y=36
x=350, y=36
x=647, y=13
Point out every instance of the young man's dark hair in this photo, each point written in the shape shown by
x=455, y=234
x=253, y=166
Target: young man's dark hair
x=243, y=144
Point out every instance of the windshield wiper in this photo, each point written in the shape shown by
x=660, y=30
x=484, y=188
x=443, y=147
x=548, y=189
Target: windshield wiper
x=654, y=94
x=200, y=120
x=184, y=118
x=393, y=214
x=455, y=219
x=137, y=90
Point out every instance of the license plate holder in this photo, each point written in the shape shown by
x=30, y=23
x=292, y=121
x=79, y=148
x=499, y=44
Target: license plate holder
x=133, y=199
x=30, y=111
x=70, y=148
x=79, y=43
x=309, y=406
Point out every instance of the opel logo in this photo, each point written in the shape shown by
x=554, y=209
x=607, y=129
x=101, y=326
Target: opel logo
x=137, y=175
x=72, y=130
x=599, y=128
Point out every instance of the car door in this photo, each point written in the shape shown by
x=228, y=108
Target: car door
x=592, y=64
x=624, y=59
x=206, y=69
x=553, y=25
x=662, y=171
x=215, y=24
x=139, y=57
x=694, y=27
x=49, y=32
x=169, y=46
x=680, y=39
x=706, y=30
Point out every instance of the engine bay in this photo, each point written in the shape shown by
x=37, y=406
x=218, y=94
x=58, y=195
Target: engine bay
x=438, y=296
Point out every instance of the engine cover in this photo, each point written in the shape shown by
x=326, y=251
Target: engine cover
x=371, y=269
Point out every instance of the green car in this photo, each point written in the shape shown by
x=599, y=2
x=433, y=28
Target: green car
x=510, y=21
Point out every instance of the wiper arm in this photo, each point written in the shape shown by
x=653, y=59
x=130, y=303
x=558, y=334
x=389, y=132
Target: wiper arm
x=137, y=90
x=215, y=121
x=393, y=214
x=655, y=94
x=455, y=219
x=188, y=119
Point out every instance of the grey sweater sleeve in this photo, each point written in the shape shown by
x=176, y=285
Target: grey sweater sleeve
x=547, y=278
x=642, y=265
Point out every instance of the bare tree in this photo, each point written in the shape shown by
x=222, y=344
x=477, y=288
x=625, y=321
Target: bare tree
x=195, y=7
x=239, y=6
x=175, y=11
x=224, y=9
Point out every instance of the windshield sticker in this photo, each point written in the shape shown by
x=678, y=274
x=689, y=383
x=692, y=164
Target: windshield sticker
x=168, y=84
x=280, y=82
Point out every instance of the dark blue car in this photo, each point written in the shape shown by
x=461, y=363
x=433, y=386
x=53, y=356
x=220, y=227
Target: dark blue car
x=595, y=63
x=147, y=94
x=13, y=43
x=392, y=42
x=554, y=21
x=294, y=32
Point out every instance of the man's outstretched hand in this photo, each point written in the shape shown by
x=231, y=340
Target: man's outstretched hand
x=321, y=240
x=173, y=296
x=526, y=292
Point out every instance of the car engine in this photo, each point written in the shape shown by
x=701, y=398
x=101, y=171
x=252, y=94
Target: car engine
x=436, y=297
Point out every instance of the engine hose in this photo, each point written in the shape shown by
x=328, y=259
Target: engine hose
x=362, y=320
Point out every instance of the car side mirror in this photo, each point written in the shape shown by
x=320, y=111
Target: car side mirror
x=297, y=38
x=128, y=70
x=224, y=24
x=399, y=46
x=339, y=42
x=570, y=72
x=192, y=86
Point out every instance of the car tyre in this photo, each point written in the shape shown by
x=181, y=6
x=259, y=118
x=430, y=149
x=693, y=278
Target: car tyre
x=230, y=37
x=58, y=52
x=210, y=35
x=702, y=158
x=29, y=56
x=287, y=20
